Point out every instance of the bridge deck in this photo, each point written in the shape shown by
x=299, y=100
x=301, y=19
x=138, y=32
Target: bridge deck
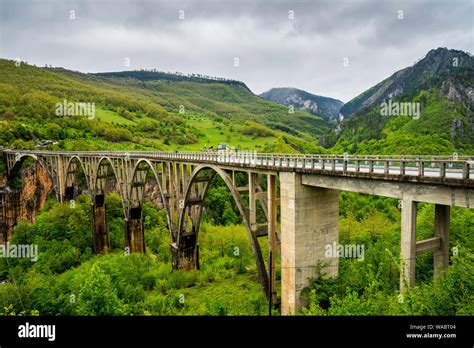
x=446, y=170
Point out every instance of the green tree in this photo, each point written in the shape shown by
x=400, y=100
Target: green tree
x=98, y=296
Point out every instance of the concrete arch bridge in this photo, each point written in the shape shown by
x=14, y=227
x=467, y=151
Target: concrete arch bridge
x=297, y=193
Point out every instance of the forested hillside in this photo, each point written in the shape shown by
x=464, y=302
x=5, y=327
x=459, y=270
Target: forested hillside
x=438, y=65
x=135, y=114
x=445, y=124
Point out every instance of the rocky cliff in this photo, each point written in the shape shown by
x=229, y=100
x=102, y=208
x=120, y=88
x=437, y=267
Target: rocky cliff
x=24, y=203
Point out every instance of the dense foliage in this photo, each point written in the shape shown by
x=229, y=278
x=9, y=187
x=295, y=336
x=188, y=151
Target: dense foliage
x=68, y=280
x=371, y=287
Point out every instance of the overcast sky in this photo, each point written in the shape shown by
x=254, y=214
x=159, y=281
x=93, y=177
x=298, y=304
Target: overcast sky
x=301, y=44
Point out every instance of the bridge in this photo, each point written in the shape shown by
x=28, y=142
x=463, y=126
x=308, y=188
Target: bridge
x=299, y=195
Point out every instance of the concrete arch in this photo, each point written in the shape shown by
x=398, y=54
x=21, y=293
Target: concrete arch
x=19, y=159
x=100, y=233
x=15, y=170
x=112, y=166
x=160, y=190
x=183, y=218
x=68, y=166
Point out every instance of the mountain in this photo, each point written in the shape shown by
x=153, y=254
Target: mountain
x=326, y=107
x=153, y=75
x=145, y=110
x=428, y=72
x=431, y=110
x=226, y=98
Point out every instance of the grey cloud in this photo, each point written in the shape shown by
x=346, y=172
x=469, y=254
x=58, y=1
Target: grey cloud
x=306, y=52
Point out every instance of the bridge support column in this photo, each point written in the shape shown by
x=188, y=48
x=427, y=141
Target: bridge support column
x=61, y=184
x=186, y=256
x=441, y=256
x=253, y=201
x=408, y=244
x=309, y=222
x=100, y=235
x=134, y=231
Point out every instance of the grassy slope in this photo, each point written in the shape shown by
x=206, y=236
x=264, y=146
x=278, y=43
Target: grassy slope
x=136, y=115
x=235, y=102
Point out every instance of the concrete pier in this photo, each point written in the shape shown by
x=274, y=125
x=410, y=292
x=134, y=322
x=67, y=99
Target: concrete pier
x=134, y=231
x=441, y=256
x=408, y=244
x=309, y=222
x=100, y=235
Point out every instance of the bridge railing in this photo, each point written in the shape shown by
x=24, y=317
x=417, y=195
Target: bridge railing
x=404, y=165
x=455, y=167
